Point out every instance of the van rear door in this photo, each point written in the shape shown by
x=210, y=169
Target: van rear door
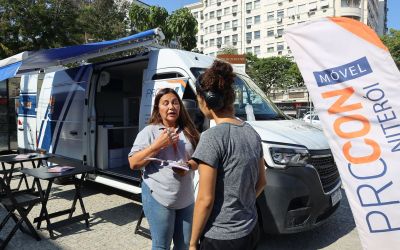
x=60, y=115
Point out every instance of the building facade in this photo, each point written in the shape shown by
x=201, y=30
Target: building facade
x=256, y=26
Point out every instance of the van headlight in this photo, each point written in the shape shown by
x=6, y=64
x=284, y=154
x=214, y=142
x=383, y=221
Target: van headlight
x=292, y=156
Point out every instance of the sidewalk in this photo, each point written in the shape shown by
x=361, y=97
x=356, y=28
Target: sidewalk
x=113, y=217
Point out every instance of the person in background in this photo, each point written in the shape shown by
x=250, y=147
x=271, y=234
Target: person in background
x=231, y=169
x=167, y=194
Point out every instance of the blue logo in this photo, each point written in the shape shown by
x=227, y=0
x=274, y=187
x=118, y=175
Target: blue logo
x=343, y=73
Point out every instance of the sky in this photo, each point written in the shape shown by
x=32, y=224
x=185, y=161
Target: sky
x=171, y=5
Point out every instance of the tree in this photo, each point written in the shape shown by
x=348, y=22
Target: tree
x=392, y=42
x=33, y=25
x=142, y=19
x=103, y=19
x=294, y=77
x=273, y=72
x=180, y=26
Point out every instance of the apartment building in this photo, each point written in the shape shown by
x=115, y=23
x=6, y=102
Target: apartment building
x=256, y=26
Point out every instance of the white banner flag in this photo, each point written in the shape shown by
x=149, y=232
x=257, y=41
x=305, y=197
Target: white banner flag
x=355, y=87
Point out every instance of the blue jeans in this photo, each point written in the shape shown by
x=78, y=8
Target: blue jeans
x=166, y=223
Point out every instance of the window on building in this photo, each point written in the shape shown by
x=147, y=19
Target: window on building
x=249, y=50
x=219, y=40
x=270, y=48
x=212, y=14
x=257, y=50
x=351, y=3
x=219, y=27
x=227, y=40
x=291, y=11
x=212, y=2
x=257, y=19
x=219, y=13
x=296, y=94
x=280, y=13
x=249, y=6
x=312, y=6
x=235, y=38
x=227, y=25
x=227, y=11
x=249, y=20
x=196, y=14
x=257, y=4
x=279, y=46
x=270, y=33
x=279, y=31
x=257, y=34
x=206, y=30
x=248, y=36
x=212, y=42
x=206, y=16
x=212, y=28
x=234, y=8
x=270, y=16
x=324, y=3
x=302, y=8
x=235, y=23
x=206, y=44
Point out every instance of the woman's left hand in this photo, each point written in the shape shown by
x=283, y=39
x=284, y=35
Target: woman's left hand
x=192, y=247
x=181, y=172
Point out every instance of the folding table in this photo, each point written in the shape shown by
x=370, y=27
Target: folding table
x=13, y=159
x=43, y=174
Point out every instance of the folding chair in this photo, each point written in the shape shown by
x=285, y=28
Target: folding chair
x=18, y=205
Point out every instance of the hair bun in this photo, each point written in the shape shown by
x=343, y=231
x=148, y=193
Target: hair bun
x=224, y=71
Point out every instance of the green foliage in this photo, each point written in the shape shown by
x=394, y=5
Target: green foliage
x=149, y=18
x=33, y=25
x=180, y=26
x=392, y=42
x=103, y=20
x=273, y=72
x=183, y=28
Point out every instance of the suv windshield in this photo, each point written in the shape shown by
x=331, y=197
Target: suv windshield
x=250, y=102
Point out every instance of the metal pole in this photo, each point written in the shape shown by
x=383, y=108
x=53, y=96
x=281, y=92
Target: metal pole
x=8, y=115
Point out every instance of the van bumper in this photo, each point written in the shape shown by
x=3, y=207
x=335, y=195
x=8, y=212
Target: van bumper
x=298, y=201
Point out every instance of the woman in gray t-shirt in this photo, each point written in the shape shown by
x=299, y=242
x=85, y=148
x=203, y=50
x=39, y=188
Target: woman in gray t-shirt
x=231, y=169
x=167, y=193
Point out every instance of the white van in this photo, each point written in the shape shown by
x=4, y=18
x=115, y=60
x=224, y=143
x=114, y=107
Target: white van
x=91, y=114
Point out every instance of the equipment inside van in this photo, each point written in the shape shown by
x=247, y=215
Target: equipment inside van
x=90, y=114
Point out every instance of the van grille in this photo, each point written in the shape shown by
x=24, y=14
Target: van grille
x=326, y=167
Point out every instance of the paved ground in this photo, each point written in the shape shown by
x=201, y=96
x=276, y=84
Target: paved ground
x=113, y=217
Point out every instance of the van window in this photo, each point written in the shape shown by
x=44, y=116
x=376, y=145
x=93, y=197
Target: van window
x=248, y=93
x=168, y=75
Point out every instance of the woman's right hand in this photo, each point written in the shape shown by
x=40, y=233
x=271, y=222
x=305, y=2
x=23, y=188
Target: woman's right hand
x=166, y=139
